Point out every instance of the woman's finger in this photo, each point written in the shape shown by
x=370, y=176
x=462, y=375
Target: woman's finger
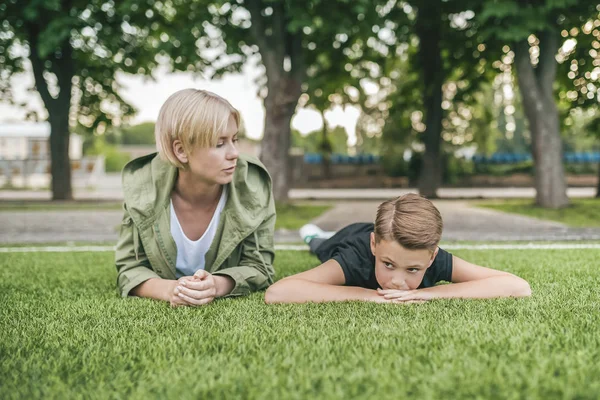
x=197, y=294
x=197, y=284
x=196, y=302
x=201, y=274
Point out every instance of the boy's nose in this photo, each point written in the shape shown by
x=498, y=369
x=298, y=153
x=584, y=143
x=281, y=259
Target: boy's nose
x=399, y=284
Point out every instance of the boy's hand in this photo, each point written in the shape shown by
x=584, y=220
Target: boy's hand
x=405, y=296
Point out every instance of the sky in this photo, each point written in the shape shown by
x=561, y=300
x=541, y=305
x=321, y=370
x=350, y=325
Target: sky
x=148, y=96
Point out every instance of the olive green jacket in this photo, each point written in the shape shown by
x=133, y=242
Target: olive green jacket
x=243, y=245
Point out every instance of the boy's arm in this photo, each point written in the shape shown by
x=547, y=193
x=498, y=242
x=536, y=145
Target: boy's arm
x=320, y=284
x=468, y=281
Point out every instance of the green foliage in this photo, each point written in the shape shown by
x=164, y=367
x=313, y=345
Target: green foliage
x=90, y=40
x=66, y=334
x=514, y=20
x=393, y=163
x=312, y=142
x=114, y=160
x=138, y=134
x=457, y=168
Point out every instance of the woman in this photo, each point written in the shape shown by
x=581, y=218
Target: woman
x=199, y=217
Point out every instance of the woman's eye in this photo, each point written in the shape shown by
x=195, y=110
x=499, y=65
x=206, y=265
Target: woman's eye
x=220, y=144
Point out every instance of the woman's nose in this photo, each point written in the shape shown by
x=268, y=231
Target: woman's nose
x=233, y=153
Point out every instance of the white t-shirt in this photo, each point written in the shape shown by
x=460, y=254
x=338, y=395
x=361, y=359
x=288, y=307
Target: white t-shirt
x=190, y=253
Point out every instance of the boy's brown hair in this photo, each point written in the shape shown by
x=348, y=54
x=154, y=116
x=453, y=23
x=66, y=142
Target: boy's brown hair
x=410, y=220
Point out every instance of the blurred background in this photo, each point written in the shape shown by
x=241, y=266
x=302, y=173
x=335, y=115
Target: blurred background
x=360, y=94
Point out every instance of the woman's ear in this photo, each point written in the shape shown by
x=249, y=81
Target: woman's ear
x=179, y=151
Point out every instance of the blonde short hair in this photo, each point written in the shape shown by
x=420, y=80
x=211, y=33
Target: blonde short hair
x=195, y=117
x=410, y=220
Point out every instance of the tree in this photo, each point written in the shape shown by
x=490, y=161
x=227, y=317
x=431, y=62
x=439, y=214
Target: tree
x=75, y=48
x=533, y=29
x=280, y=36
x=439, y=59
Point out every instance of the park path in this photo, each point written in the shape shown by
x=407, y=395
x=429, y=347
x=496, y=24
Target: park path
x=462, y=221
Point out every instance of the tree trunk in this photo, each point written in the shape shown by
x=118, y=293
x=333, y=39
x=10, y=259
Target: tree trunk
x=325, y=149
x=536, y=91
x=598, y=183
x=280, y=106
x=281, y=53
x=58, y=108
x=428, y=29
x=60, y=167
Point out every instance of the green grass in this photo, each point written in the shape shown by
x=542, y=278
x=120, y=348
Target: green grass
x=581, y=212
x=293, y=216
x=66, y=334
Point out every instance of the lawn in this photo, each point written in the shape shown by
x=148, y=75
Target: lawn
x=294, y=215
x=580, y=213
x=66, y=334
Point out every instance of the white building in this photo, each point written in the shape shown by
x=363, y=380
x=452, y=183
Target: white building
x=31, y=140
x=25, y=157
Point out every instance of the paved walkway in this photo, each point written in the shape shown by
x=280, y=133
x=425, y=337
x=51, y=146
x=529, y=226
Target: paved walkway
x=465, y=222
x=462, y=222
x=115, y=193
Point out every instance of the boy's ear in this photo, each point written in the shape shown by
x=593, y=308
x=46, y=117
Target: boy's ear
x=179, y=151
x=372, y=242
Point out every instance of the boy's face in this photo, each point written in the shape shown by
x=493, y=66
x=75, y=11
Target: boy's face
x=397, y=267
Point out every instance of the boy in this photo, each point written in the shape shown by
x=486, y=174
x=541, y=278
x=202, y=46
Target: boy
x=395, y=260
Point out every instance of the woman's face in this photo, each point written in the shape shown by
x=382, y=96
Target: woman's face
x=214, y=165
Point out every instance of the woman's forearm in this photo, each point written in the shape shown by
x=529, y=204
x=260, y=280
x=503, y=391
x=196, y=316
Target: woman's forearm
x=155, y=288
x=303, y=291
x=496, y=286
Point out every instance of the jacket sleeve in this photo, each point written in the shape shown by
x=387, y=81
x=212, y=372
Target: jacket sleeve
x=255, y=270
x=132, y=264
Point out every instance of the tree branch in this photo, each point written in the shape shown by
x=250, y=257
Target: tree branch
x=526, y=75
x=38, y=71
x=257, y=29
x=65, y=72
x=297, y=56
x=280, y=32
x=547, y=62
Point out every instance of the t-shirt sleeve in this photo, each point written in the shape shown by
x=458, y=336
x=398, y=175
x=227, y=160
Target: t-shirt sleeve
x=354, y=260
x=441, y=268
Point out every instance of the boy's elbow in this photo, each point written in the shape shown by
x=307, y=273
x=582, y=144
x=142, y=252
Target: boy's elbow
x=522, y=288
x=274, y=294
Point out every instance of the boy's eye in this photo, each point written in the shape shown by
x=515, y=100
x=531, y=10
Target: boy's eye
x=388, y=265
x=413, y=269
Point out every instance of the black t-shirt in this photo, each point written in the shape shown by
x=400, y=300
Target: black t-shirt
x=350, y=247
